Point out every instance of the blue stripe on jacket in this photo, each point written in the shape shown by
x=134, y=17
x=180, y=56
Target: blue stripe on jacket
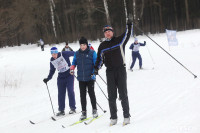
x=117, y=45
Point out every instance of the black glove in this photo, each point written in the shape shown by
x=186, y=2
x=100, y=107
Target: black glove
x=45, y=80
x=95, y=72
x=130, y=19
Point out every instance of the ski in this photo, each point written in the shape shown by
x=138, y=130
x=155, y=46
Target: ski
x=87, y=123
x=37, y=122
x=55, y=118
x=78, y=122
x=141, y=69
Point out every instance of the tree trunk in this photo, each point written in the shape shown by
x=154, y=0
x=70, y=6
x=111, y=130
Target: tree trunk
x=175, y=10
x=107, y=13
x=187, y=13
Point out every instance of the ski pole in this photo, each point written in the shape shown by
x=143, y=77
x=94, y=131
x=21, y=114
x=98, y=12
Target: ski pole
x=150, y=56
x=165, y=51
x=50, y=99
x=101, y=90
x=96, y=102
x=101, y=108
x=103, y=79
x=98, y=86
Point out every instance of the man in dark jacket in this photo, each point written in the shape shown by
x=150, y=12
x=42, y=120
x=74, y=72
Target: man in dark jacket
x=61, y=62
x=85, y=59
x=111, y=53
x=135, y=53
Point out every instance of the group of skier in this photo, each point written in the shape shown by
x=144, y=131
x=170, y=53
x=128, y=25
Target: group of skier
x=111, y=52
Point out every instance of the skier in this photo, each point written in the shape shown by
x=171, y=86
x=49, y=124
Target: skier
x=67, y=48
x=65, y=81
x=111, y=53
x=85, y=59
x=135, y=53
x=41, y=44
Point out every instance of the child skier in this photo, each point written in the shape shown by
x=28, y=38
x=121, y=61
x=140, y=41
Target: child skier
x=65, y=81
x=135, y=53
x=85, y=59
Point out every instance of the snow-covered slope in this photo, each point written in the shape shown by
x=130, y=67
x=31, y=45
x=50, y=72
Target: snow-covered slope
x=162, y=100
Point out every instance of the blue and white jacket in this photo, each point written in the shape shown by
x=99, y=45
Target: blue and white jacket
x=136, y=46
x=84, y=60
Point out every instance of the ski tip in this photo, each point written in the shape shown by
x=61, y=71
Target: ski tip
x=63, y=126
x=53, y=118
x=31, y=122
x=85, y=123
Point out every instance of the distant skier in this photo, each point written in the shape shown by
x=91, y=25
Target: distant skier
x=85, y=59
x=135, y=53
x=65, y=81
x=67, y=48
x=111, y=53
x=41, y=44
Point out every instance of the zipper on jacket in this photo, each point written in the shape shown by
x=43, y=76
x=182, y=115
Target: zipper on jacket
x=83, y=67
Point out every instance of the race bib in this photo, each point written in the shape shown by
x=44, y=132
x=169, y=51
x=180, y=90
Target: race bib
x=136, y=47
x=60, y=64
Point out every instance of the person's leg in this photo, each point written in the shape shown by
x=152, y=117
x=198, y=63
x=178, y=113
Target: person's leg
x=140, y=60
x=133, y=62
x=61, y=83
x=122, y=89
x=70, y=90
x=92, y=93
x=82, y=87
x=112, y=93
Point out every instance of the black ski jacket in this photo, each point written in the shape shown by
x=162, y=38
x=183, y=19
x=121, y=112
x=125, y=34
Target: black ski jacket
x=112, y=53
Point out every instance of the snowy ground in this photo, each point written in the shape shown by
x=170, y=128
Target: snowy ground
x=162, y=100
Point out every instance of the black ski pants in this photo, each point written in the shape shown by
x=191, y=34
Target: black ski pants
x=117, y=80
x=85, y=86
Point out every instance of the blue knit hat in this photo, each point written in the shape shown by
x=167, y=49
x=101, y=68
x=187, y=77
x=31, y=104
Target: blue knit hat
x=107, y=27
x=54, y=50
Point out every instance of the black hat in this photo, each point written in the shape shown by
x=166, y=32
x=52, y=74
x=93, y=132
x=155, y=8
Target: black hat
x=83, y=40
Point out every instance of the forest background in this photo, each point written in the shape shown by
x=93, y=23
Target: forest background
x=55, y=21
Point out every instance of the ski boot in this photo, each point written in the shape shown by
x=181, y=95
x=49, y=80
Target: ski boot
x=126, y=121
x=94, y=113
x=83, y=116
x=72, y=111
x=113, y=122
x=60, y=113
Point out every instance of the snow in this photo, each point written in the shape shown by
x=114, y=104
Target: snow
x=162, y=100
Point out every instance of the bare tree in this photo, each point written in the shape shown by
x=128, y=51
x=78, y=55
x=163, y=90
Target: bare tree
x=107, y=13
x=187, y=13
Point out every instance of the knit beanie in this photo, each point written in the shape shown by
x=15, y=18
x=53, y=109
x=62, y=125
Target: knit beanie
x=83, y=40
x=54, y=50
x=107, y=27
